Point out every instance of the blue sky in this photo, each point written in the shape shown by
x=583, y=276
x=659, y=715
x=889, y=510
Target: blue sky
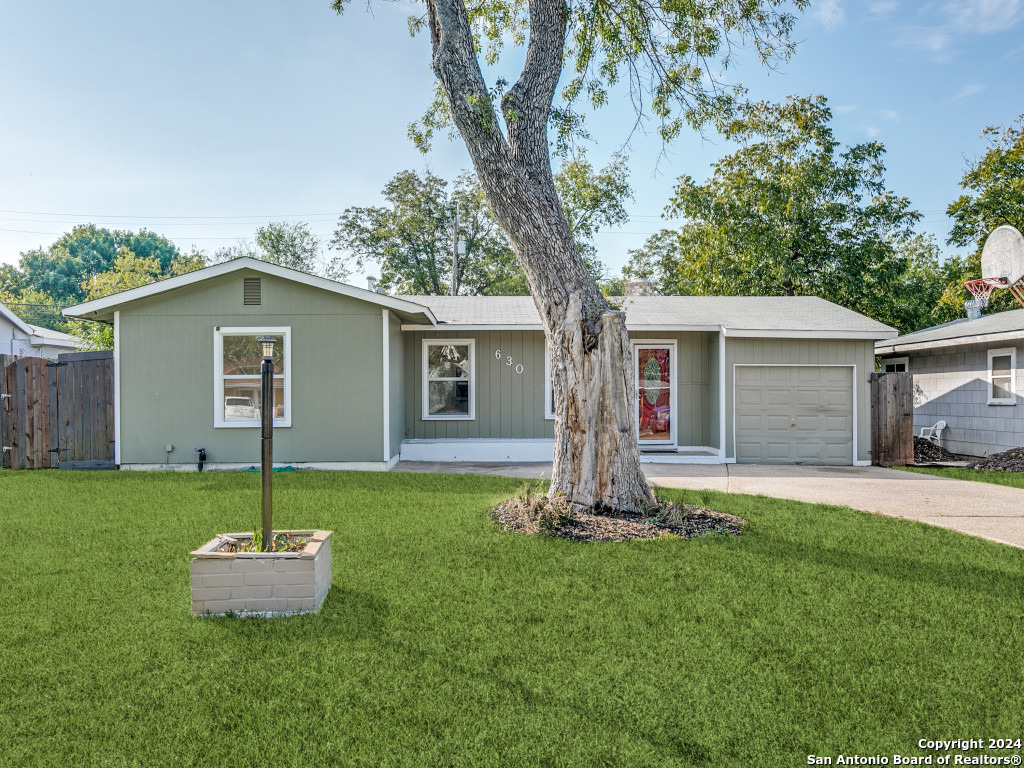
x=204, y=120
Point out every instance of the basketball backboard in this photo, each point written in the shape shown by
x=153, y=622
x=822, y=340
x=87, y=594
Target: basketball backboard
x=1003, y=256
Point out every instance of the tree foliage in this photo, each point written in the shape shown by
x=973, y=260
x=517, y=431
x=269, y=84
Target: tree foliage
x=993, y=195
x=128, y=271
x=287, y=244
x=993, y=188
x=668, y=58
x=87, y=250
x=411, y=238
x=790, y=213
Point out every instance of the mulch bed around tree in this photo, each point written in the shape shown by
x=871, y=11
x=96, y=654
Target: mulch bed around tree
x=1007, y=461
x=925, y=452
x=556, y=517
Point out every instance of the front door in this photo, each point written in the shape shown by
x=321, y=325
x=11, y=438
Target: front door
x=654, y=371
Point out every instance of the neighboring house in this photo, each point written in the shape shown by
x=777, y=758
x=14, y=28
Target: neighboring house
x=365, y=378
x=965, y=373
x=19, y=338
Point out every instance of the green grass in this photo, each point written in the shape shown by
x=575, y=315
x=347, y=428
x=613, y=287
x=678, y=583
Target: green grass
x=1012, y=479
x=447, y=642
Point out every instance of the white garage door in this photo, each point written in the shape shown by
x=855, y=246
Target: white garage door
x=794, y=414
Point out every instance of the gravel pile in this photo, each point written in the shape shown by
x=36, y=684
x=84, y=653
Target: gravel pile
x=1007, y=461
x=555, y=517
x=925, y=452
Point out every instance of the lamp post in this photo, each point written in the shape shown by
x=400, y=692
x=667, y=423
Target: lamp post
x=267, y=436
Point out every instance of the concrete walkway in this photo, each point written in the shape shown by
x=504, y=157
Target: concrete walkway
x=989, y=511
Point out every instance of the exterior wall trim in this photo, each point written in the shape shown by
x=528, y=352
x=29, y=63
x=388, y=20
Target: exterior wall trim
x=117, y=388
x=542, y=450
x=721, y=397
x=793, y=334
x=386, y=397
x=133, y=294
x=471, y=327
x=987, y=338
x=217, y=466
x=737, y=333
x=853, y=374
x=478, y=449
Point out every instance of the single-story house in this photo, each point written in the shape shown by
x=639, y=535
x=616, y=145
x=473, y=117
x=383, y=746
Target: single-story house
x=25, y=340
x=965, y=373
x=365, y=378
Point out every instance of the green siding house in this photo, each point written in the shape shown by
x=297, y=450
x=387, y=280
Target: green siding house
x=364, y=379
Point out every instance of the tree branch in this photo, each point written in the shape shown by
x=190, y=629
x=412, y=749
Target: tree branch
x=527, y=104
x=457, y=69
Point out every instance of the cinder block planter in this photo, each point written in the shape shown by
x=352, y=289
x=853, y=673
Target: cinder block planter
x=264, y=584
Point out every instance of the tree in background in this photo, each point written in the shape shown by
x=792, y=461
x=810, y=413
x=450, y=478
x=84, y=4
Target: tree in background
x=287, y=244
x=788, y=214
x=129, y=270
x=993, y=195
x=665, y=54
x=994, y=188
x=87, y=250
x=411, y=239
x=34, y=307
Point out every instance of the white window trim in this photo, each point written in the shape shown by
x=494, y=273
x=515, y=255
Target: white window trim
x=218, y=374
x=1012, y=353
x=897, y=361
x=425, y=414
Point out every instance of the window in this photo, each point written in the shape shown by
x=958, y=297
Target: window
x=1002, y=376
x=236, y=366
x=449, y=386
x=895, y=365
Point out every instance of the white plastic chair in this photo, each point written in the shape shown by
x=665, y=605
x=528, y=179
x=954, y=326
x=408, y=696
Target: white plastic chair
x=933, y=433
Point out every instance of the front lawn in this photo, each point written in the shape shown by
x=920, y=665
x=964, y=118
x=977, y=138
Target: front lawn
x=447, y=642
x=1012, y=479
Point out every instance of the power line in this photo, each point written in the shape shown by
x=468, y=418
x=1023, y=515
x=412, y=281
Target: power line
x=133, y=216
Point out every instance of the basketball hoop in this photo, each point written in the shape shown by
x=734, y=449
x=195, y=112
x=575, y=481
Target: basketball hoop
x=981, y=289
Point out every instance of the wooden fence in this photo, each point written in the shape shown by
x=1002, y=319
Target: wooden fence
x=57, y=414
x=892, y=419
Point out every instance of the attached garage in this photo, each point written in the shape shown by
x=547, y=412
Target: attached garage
x=794, y=414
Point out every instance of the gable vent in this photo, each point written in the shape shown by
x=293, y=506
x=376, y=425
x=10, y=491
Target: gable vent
x=252, y=292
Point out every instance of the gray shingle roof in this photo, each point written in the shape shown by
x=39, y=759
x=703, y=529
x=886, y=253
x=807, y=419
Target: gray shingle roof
x=1005, y=325
x=737, y=313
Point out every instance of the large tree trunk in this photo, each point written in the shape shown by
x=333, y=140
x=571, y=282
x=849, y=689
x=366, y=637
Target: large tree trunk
x=597, y=460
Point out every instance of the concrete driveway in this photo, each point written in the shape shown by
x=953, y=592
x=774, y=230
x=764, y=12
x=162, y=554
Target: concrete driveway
x=989, y=511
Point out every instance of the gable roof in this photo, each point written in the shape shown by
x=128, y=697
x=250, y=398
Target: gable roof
x=52, y=338
x=37, y=335
x=103, y=309
x=775, y=316
x=1000, y=326
x=14, y=320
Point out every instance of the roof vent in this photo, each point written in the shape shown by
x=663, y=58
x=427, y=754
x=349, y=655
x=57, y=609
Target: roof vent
x=252, y=292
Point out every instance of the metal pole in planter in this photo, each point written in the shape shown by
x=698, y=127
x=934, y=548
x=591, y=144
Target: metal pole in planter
x=267, y=437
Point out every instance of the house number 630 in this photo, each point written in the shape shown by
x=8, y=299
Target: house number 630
x=508, y=361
